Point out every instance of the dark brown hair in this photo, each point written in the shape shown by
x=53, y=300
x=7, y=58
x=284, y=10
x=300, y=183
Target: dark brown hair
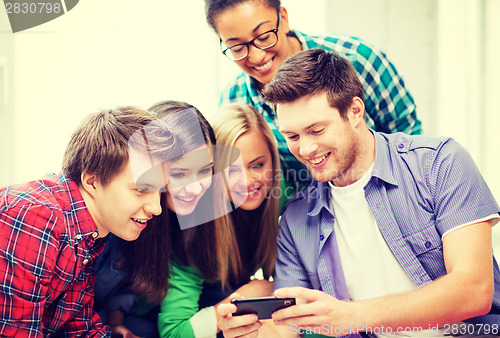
x=215, y=7
x=101, y=144
x=205, y=246
x=312, y=72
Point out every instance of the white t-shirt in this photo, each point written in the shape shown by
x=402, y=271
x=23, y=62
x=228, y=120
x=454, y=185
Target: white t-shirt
x=370, y=268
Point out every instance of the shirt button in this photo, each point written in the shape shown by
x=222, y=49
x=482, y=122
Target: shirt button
x=401, y=146
x=95, y=234
x=85, y=261
x=78, y=237
x=321, y=237
x=428, y=244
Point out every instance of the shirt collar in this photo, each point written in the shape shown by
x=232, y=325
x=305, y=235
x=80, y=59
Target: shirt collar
x=82, y=223
x=301, y=37
x=318, y=193
x=381, y=167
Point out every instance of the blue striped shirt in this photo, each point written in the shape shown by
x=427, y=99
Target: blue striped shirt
x=389, y=105
x=420, y=188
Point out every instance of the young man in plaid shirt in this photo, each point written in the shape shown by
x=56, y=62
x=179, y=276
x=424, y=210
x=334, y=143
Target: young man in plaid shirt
x=51, y=230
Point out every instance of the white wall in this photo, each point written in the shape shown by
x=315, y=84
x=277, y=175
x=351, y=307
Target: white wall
x=6, y=101
x=490, y=119
x=99, y=55
x=405, y=30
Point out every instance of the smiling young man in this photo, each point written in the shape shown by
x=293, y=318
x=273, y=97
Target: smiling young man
x=393, y=236
x=52, y=229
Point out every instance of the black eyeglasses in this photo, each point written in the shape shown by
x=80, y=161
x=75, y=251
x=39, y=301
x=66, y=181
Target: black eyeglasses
x=263, y=41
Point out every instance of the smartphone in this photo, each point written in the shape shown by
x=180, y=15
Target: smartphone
x=263, y=307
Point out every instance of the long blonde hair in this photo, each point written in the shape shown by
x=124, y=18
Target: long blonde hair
x=229, y=124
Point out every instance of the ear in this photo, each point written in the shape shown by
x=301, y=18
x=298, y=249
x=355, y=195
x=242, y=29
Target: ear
x=356, y=112
x=284, y=24
x=89, y=183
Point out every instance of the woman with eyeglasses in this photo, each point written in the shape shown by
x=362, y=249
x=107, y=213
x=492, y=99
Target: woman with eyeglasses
x=256, y=35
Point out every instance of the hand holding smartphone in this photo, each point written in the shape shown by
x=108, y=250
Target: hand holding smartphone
x=263, y=307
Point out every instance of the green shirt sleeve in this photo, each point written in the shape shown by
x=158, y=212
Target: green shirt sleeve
x=180, y=303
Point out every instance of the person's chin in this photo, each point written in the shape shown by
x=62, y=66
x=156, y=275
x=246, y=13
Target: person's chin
x=264, y=79
x=184, y=208
x=251, y=204
x=131, y=235
x=184, y=211
x=320, y=175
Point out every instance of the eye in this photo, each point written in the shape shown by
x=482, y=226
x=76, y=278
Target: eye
x=204, y=173
x=177, y=175
x=293, y=137
x=237, y=49
x=233, y=170
x=143, y=189
x=317, y=131
x=257, y=165
x=264, y=37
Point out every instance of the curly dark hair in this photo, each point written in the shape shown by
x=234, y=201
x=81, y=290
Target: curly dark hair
x=215, y=7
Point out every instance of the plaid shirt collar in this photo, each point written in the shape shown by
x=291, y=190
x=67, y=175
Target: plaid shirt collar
x=75, y=209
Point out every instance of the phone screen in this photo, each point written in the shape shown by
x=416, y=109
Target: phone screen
x=263, y=307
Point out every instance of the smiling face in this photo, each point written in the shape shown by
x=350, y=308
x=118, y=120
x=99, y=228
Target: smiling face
x=190, y=177
x=251, y=179
x=318, y=137
x=247, y=20
x=121, y=206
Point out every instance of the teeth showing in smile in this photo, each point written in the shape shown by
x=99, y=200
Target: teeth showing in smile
x=185, y=199
x=248, y=193
x=142, y=221
x=318, y=160
x=265, y=66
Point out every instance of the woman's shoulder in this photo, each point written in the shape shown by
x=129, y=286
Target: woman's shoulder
x=180, y=269
x=343, y=44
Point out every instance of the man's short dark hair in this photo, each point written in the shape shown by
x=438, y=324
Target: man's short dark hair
x=312, y=72
x=101, y=144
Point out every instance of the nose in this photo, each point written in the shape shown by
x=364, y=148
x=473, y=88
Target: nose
x=250, y=177
x=307, y=147
x=193, y=188
x=255, y=55
x=153, y=205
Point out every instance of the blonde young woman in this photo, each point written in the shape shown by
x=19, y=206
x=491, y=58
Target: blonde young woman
x=253, y=184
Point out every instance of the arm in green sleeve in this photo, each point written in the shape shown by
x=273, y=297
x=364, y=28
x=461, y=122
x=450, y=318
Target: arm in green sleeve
x=181, y=302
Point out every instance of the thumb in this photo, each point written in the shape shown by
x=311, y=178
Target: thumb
x=298, y=292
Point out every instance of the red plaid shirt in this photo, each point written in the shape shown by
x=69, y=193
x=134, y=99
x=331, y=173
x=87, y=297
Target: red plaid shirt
x=48, y=248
